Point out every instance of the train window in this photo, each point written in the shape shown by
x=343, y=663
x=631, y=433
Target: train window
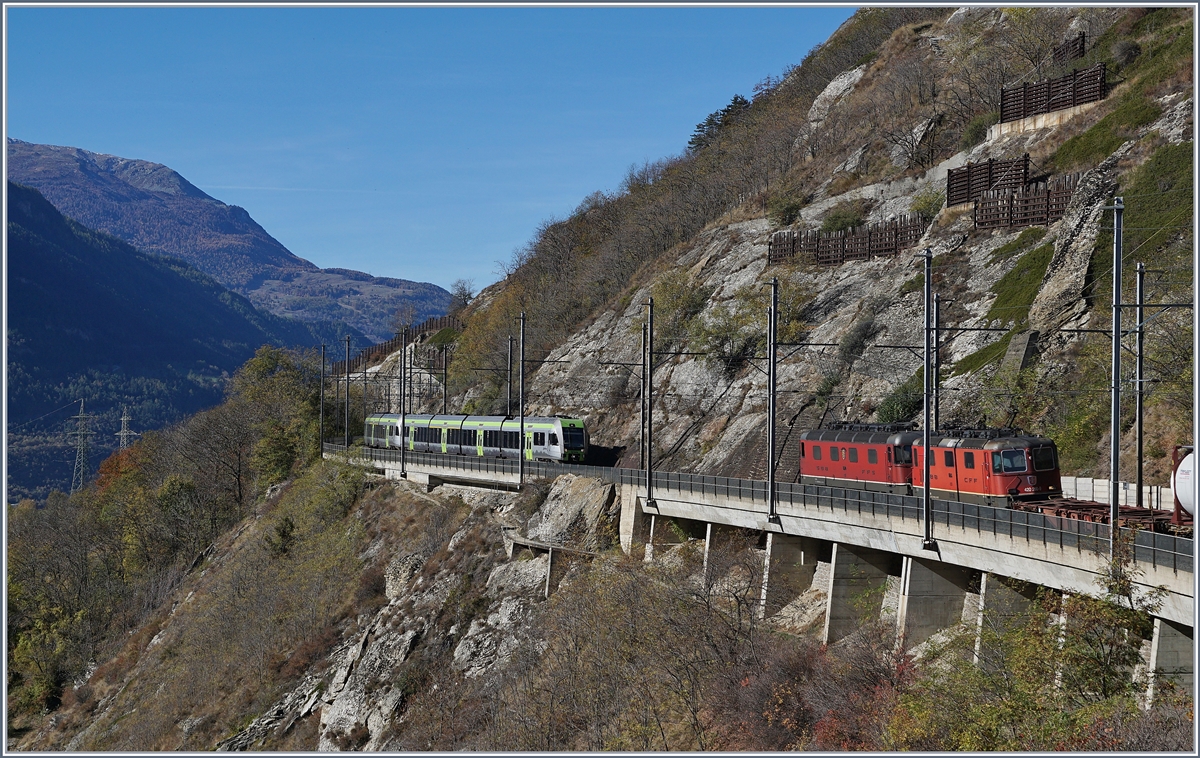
x=1043, y=458
x=1013, y=461
x=904, y=455
x=573, y=438
x=833, y=453
x=948, y=456
x=995, y=462
x=872, y=455
x=539, y=438
x=816, y=450
x=968, y=460
x=853, y=455
x=553, y=438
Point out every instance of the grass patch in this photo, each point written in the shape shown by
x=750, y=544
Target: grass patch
x=1084, y=150
x=444, y=337
x=1021, y=243
x=1165, y=51
x=983, y=356
x=1157, y=219
x=1165, y=55
x=916, y=284
x=1016, y=290
x=1160, y=198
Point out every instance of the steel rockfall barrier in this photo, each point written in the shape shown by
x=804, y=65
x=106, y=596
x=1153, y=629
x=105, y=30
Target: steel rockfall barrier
x=1076, y=88
x=1165, y=550
x=967, y=183
x=883, y=239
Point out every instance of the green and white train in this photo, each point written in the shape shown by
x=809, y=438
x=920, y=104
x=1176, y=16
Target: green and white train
x=547, y=438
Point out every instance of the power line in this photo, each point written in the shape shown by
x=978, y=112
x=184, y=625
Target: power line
x=39, y=418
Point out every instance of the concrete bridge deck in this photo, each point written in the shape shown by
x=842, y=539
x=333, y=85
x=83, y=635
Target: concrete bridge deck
x=868, y=536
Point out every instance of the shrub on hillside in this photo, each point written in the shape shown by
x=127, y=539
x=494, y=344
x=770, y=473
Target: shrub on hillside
x=783, y=211
x=905, y=401
x=927, y=203
x=845, y=216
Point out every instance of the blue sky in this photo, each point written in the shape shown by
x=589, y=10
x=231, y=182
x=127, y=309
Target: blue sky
x=420, y=143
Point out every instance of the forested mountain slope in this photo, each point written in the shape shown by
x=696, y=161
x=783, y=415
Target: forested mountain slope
x=91, y=317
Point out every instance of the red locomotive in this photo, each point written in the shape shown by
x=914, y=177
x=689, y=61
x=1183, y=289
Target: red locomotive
x=989, y=466
x=985, y=466
x=865, y=456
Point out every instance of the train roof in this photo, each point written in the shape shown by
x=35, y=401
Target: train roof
x=874, y=437
x=980, y=439
x=991, y=443
x=454, y=419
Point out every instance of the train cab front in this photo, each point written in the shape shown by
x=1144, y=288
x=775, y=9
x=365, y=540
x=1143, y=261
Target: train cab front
x=1025, y=468
x=575, y=442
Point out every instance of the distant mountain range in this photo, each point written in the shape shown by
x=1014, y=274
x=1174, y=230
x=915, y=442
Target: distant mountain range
x=90, y=316
x=156, y=210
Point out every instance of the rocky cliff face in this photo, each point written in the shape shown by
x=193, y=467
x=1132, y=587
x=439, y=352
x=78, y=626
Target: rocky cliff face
x=356, y=701
x=862, y=322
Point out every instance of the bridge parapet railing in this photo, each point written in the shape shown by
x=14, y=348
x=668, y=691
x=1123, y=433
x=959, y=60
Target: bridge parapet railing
x=1157, y=550
x=1151, y=548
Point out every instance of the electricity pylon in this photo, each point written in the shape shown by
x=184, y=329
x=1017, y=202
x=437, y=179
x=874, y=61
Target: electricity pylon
x=125, y=432
x=81, y=434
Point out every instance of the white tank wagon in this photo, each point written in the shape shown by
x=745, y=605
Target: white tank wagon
x=1183, y=483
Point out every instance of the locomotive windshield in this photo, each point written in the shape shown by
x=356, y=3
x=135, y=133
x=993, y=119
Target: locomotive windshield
x=572, y=438
x=1044, y=458
x=904, y=455
x=1013, y=461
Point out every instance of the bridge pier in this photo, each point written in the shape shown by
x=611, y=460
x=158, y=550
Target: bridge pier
x=634, y=525
x=1171, y=656
x=933, y=597
x=858, y=578
x=1003, y=603
x=789, y=567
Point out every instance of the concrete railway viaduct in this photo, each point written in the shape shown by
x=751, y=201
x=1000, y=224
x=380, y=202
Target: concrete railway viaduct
x=854, y=544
